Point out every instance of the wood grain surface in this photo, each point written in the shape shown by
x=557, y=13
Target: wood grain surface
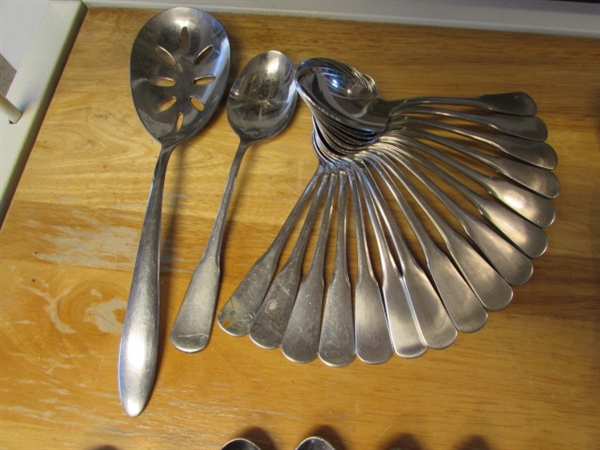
x=530, y=379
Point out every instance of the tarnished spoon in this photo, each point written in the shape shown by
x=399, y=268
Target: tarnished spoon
x=179, y=68
x=301, y=338
x=261, y=103
x=272, y=317
x=238, y=313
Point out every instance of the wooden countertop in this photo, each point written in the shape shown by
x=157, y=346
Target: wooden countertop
x=529, y=379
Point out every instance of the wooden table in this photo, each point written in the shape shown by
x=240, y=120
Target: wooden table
x=529, y=379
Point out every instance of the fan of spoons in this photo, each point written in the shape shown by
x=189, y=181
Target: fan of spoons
x=449, y=197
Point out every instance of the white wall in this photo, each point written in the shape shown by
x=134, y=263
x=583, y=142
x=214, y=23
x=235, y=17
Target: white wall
x=20, y=18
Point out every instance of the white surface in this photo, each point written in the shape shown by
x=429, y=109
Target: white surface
x=535, y=16
x=20, y=18
x=32, y=88
x=19, y=21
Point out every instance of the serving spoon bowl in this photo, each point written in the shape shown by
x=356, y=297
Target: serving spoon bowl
x=179, y=67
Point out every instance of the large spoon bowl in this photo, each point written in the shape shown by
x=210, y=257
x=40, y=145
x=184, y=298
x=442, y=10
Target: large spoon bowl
x=261, y=103
x=179, y=68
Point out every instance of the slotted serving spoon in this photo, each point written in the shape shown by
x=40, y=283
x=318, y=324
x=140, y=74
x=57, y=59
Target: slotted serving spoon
x=179, y=68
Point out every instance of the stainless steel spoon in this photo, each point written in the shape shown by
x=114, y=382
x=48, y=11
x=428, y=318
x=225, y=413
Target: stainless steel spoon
x=179, y=68
x=535, y=208
x=540, y=154
x=240, y=444
x=463, y=306
x=238, y=313
x=404, y=327
x=436, y=326
x=415, y=314
x=347, y=96
x=272, y=318
x=532, y=128
x=513, y=265
x=489, y=286
x=314, y=443
x=373, y=342
x=336, y=343
x=542, y=181
x=301, y=339
x=261, y=103
x=526, y=236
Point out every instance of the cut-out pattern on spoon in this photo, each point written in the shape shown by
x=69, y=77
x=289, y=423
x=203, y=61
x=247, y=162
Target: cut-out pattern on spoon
x=165, y=55
x=165, y=105
x=185, y=39
x=203, y=55
x=177, y=58
x=162, y=81
x=197, y=103
x=201, y=81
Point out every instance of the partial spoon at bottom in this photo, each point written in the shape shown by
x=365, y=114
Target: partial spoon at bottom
x=261, y=103
x=314, y=443
x=240, y=444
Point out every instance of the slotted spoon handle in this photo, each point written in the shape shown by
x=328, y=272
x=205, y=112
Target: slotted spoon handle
x=139, y=338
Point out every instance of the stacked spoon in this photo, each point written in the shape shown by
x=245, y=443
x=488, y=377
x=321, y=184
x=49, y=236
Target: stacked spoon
x=468, y=179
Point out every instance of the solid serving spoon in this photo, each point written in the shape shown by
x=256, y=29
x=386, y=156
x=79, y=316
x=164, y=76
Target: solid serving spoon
x=261, y=104
x=179, y=68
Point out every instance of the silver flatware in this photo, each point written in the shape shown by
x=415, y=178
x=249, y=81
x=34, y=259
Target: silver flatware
x=179, y=69
x=261, y=103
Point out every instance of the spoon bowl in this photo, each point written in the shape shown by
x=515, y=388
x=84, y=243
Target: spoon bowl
x=314, y=443
x=179, y=67
x=240, y=444
x=262, y=99
x=338, y=93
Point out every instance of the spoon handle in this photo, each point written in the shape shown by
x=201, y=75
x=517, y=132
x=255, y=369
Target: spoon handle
x=437, y=328
x=493, y=291
x=538, y=153
x=139, y=339
x=515, y=103
x=528, y=237
x=463, y=306
x=537, y=179
x=513, y=265
x=405, y=331
x=273, y=315
x=533, y=207
x=373, y=342
x=301, y=338
x=238, y=313
x=192, y=326
x=336, y=344
x=529, y=127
